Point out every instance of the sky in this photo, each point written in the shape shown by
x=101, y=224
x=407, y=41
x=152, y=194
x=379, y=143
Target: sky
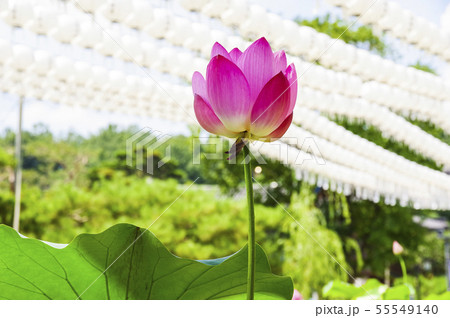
x=63, y=119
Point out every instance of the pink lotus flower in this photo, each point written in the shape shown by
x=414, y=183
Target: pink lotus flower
x=246, y=95
x=297, y=295
x=397, y=249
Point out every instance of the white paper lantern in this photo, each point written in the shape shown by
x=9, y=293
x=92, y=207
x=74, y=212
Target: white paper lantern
x=418, y=30
x=99, y=77
x=89, y=6
x=109, y=45
x=129, y=49
x=338, y=3
x=255, y=22
x=18, y=14
x=159, y=24
x=236, y=13
x=275, y=27
x=44, y=20
x=66, y=30
x=373, y=14
x=22, y=57
x=193, y=5
x=62, y=68
x=82, y=73
x=140, y=16
x=180, y=29
x=199, y=37
x=391, y=16
x=116, y=81
x=403, y=26
x=319, y=46
x=42, y=63
x=89, y=35
x=5, y=51
x=116, y=10
x=150, y=53
x=214, y=8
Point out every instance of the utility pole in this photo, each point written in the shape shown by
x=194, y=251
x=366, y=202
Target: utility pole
x=18, y=178
x=447, y=259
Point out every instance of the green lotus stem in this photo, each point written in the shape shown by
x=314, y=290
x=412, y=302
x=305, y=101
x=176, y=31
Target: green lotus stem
x=402, y=264
x=251, y=225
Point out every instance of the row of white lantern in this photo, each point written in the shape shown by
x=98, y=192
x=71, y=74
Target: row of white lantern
x=181, y=31
x=182, y=64
x=169, y=59
x=99, y=75
x=254, y=21
x=365, y=185
x=399, y=22
x=80, y=73
x=437, y=112
x=150, y=55
x=46, y=74
x=297, y=159
x=53, y=91
x=79, y=29
x=325, y=128
x=87, y=99
x=311, y=75
x=103, y=90
x=386, y=177
x=393, y=125
x=50, y=89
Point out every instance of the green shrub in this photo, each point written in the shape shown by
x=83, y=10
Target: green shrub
x=200, y=224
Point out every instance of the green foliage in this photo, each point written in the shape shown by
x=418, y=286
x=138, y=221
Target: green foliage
x=6, y=207
x=126, y=262
x=198, y=225
x=372, y=289
x=314, y=254
x=153, y=162
x=376, y=227
x=353, y=253
x=91, y=190
x=105, y=145
x=435, y=255
x=278, y=180
x=431, y=129
x=427, y=286
x=400, y=292
x=423, y=67
x=6, y=159
x=373, y=134
x=340, y=290
x=361, y=36
x=434, y=285
x=443, y=296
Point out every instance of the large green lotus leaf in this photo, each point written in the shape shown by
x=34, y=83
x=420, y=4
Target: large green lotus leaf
x=444, y=296
x=340, y=290
x=371, y=290
x=109, y=266
x=399, y=292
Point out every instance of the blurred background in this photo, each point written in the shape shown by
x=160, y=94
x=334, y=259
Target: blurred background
x=79, y=78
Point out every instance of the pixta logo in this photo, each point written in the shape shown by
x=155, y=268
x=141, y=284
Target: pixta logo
x=148, y=150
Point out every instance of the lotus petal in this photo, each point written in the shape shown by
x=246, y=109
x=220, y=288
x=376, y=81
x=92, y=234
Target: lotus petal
x=228, y=92
x=208, y=120
x=257, y=64
x=271, y=107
